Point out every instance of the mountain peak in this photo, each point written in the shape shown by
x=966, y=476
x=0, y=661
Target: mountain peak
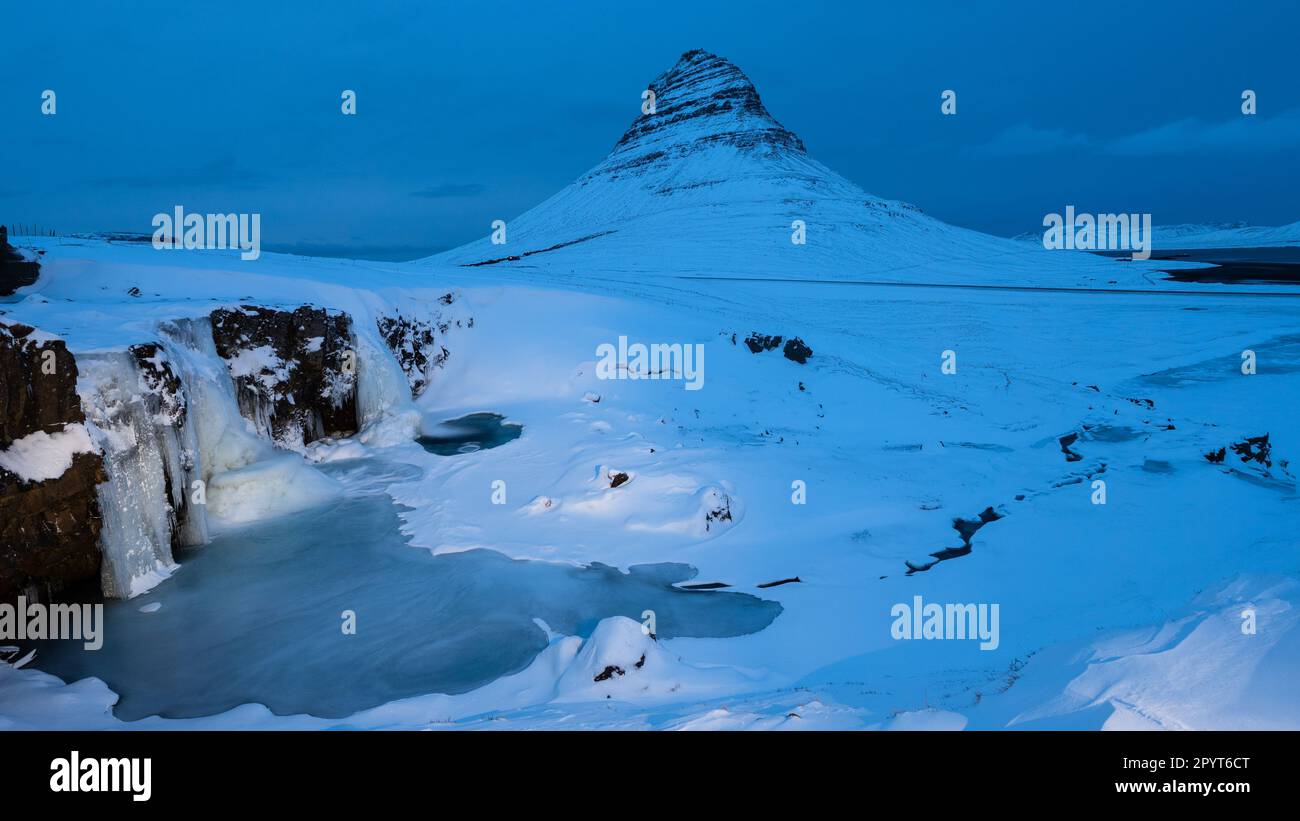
x=702, y=101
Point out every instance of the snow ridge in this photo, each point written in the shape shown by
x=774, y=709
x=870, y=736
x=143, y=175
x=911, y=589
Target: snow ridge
x=701, y=101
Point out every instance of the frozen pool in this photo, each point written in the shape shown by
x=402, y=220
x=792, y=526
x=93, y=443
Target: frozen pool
x=477, y=431
x=256, y=616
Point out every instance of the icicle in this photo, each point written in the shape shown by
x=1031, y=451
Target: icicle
x=385, y=412
x=136, y=539
x=245, y=477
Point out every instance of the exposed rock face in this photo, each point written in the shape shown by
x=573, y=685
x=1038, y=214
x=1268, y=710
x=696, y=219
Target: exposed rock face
x=49, y=530
x=16, y=270
x=414, y=344
x=294, y=371
x=703, y=100
x=159, y=379
x=39, y=390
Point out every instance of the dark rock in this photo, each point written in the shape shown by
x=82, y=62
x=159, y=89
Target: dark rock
x=16, y=271
x=779, y=582
x=1065, y=442
x=757, y=343
x=966, y=528
x=1216, y=456
x=1254, y=449
x=414, y=345
x=39, y=386
x=49, y=530
x=158, y=378
x=617, y=479
x=307, y=389
x=722, y=513
x=446, y=300
x=611, y=671
x=797, y=351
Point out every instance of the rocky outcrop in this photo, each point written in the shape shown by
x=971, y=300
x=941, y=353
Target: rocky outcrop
x=294, y=371
x=703, y=100
x=795, y=349
x=49, y=529
x=415, y=344
x=159, y=379
x=16, y=270
x=757, y=343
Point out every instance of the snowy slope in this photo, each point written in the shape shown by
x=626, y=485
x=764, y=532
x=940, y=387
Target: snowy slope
x=891, y=451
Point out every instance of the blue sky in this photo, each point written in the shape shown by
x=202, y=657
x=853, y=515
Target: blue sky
x=473, y=112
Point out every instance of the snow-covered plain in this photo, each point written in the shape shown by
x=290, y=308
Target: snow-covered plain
x=1126, y=614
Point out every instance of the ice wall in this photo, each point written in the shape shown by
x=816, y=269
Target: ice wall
x=136, y=539
x=183, y=458
x=385, y=412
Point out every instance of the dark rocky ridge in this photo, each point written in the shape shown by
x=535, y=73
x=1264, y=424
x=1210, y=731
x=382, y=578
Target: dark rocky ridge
x=702, y=100
x=49, y=530
x=16, y=271
x=310, y=392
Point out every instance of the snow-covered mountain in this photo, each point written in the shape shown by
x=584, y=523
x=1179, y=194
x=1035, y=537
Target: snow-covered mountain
x=710, y=184
x=1192, y=235
x=1233, y=235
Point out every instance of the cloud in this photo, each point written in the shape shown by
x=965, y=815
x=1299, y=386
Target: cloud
x=1241, y=133
x=1024, y=139
x=223, y=173
x=447, y=190
x=1255, y=133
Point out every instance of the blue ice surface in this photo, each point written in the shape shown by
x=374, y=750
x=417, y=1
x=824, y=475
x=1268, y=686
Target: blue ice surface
x=256, y=617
